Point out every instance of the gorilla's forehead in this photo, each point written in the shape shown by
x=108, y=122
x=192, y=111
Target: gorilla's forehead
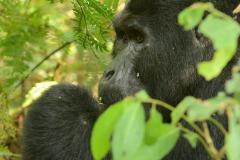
x=163, y=11
x=145, y=10
x=151, y=7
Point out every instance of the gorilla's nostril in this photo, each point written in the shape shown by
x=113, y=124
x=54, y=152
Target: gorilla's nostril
x=109, y=75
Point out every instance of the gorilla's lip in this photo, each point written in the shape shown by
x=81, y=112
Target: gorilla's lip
x=103, y=104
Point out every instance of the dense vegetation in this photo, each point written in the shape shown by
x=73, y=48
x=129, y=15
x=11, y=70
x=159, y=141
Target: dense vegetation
x=46, y=42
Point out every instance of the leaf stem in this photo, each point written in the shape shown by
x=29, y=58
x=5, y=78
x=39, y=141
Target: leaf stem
x=219, y=125
x=171, y=108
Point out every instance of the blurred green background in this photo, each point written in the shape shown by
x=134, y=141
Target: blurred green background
x=44, y=42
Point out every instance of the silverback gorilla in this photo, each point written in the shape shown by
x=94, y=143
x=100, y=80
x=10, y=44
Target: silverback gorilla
x=151, y=52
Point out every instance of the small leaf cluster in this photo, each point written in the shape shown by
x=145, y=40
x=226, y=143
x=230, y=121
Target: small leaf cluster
x=220, y=28
x=123, y=129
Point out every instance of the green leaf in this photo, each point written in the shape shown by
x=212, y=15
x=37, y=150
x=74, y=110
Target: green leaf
x=211, y=69
x=203, y=110
x=233, y=138
x=142, y=95
x=223, y=32
x=168, y=136
x=232, y=85
x=111, y=4
x=190, y=18
x=104, y=126
x=115, y=4
x=129, y=132
x=152, y=126
x=192, y=138
x=181, y=108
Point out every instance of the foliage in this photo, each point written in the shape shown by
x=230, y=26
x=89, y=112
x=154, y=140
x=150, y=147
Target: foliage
x=33, y=48
x=123, y=125
x=93, y=21
x=53, y=1
x=39, y=42
x=6, y=127
x=155, y=138
x=220, y=28
x=18, y=28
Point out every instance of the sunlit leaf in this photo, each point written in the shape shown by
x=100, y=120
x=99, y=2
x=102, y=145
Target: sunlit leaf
x=190, y=18
x=152, y=126
x=129, y=132
x=142, y=96
x=167, y=138
x=211, y=69
x=223, y=32
x=103, y=128
x=192, y=138
x=36, y=92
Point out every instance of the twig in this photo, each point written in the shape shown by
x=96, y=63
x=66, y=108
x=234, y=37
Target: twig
x=221, y=153
x=209, y=140
x=219, y=125
x=44, y=59
x=171, y=108
x=186, y=130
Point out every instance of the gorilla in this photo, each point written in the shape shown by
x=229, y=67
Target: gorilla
x=151, y=52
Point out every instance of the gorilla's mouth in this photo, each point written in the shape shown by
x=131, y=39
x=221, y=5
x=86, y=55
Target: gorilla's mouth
x=107, y=98
x=110, y=94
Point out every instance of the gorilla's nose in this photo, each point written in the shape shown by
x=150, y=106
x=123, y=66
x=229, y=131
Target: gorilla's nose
x=108, y=75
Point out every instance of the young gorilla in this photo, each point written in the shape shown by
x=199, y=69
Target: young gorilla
x=151, y=52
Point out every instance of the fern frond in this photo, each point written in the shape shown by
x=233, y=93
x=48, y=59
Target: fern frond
x=93, y=19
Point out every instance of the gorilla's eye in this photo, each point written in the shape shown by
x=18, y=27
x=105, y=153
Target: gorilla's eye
x=139, y=38
x=125, y=38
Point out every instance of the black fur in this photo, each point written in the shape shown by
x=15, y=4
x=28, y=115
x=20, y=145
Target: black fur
x=59, y=124
x=151, y=52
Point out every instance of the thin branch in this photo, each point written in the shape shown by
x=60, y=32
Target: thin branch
x=221, y=153
x=171, y=108
x=209, y=140
x=219, y=125
x=186, y=130
x=43, y=60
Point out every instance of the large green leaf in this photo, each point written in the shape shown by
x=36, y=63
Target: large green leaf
x=167, y=138
x=129, y=132
x=223, y=32
x=103, y=128
x=152, y=127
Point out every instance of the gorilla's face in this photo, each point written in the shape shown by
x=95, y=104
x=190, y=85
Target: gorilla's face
x=152, y=52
